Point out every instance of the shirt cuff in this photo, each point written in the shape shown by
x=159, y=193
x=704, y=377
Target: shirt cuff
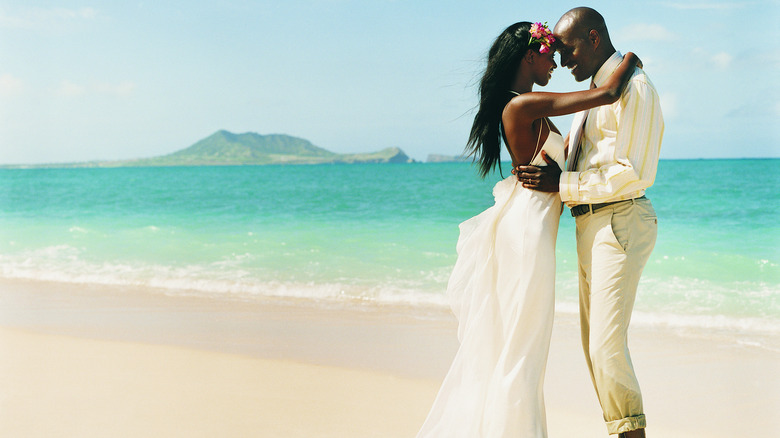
x=570, y=186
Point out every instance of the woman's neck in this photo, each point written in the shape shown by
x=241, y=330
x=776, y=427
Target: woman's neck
x=522, y=85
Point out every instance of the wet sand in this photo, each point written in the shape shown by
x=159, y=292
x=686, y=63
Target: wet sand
x=94, y=361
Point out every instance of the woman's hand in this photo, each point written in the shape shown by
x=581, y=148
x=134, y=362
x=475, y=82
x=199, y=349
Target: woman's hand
x=618, y=80
x=631, y=56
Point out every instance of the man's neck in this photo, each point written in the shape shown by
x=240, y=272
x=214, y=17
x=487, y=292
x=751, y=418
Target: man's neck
x=605, y=55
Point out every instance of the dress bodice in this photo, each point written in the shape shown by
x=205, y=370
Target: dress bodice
x=555, y=149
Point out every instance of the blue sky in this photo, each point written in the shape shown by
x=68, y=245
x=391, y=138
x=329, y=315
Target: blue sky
x=121, y=79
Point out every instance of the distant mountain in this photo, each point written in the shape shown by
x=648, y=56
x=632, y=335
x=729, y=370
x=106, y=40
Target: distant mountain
x=225, y=148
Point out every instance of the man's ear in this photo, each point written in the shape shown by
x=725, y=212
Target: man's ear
x=594, y=38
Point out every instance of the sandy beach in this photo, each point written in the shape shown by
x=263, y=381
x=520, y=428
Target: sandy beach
x=96, y=361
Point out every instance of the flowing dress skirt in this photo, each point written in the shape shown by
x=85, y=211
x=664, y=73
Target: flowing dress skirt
x=502, y=291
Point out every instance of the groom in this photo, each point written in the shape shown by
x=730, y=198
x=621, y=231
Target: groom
x=613, y=156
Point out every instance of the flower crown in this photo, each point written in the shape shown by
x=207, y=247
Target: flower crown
x=541, y=34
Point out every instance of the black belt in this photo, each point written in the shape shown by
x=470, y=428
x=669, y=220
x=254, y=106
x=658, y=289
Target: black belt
x=579, y=210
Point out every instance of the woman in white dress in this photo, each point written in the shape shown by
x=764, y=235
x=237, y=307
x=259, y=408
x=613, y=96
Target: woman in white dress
x=503, y=284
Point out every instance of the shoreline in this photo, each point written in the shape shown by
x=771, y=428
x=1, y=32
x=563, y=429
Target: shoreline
x=337, y=370
x=753, y=331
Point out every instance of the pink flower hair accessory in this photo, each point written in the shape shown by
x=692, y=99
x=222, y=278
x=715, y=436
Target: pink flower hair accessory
x=541, y=34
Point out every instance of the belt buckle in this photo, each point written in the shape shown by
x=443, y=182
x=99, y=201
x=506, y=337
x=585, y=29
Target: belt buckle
x=581, y=209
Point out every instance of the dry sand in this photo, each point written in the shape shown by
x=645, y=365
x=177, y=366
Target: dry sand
x=87, y=361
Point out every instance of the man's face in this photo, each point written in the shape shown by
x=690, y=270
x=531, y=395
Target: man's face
x=576, y=52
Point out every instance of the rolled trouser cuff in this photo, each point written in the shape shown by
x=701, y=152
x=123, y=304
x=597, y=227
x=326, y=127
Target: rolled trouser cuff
x=626, y=424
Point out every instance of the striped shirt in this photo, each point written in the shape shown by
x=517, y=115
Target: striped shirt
x=620, y=144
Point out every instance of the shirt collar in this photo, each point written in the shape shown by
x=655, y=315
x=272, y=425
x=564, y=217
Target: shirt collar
x=607, y=68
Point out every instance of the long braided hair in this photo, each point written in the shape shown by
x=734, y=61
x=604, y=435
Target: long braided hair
x=504, y=58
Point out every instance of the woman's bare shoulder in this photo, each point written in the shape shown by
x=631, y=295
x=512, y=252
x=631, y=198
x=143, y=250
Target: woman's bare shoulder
x=517, y=104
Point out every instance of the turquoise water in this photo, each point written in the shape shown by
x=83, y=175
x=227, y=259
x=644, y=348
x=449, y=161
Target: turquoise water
x=379, y=233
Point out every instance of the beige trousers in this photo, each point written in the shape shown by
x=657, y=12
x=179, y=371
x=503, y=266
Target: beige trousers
x=613, y=245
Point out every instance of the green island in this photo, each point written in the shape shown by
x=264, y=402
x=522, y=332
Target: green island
x=225, y=148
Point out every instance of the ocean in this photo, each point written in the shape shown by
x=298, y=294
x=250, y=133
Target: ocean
x=379, y=234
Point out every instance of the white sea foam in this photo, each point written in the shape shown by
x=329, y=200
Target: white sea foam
x=688, y=306
x=63, y=263
x=681, y=321
x=755, y=331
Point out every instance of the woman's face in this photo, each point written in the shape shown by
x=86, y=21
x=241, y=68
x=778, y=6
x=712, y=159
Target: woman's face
x=543, y=67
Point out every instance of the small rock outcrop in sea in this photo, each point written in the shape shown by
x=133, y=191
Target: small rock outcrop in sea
x=388, y=155
x=437, y=158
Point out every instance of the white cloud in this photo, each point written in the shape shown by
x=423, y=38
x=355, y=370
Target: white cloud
x=87, y=13
x=722, y=59
x=704, y=5
x=122, y=89
x=44, y=18
x=71, y=89
x=645, y=32
x=8, y=21
x=10, y=85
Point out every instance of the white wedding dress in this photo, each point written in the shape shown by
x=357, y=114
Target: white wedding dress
x=502, y=291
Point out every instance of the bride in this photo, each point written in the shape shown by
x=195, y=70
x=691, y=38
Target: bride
x=503, y=283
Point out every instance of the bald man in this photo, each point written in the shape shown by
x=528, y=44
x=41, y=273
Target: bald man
x=613, y=156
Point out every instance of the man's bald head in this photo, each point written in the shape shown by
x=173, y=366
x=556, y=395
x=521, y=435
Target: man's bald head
x=581, y=21
x=583, y=41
